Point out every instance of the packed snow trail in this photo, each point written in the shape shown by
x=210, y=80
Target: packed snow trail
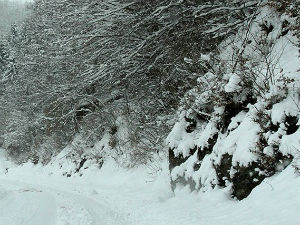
x=26, y=206
x=31, y=204
x=35, y=195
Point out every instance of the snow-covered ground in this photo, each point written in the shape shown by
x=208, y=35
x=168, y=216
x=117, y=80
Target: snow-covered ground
x=35, y=195
x=58, y=195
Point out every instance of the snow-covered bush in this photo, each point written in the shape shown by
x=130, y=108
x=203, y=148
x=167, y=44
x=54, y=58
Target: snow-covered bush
x=15, y=138
x=80, y=64
x=234, y=125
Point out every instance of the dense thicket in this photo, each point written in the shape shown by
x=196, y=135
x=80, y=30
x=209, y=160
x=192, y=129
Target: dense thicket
x=76, y=66
x=240, y=123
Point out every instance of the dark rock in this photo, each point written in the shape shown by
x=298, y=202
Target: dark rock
x=207, y=149
x=80, y=164
x=175, y=160
x=245, y=179
x=291, y=124
x=223, y=169
x=192, y=123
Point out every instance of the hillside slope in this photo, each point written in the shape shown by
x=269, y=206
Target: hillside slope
x=240, y=124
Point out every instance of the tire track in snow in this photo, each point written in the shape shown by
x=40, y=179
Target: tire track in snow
x=27, y=207
x=52, y=206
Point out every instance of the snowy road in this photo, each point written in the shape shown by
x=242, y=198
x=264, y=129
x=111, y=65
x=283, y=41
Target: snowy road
x=34, y=196
x=30, y=204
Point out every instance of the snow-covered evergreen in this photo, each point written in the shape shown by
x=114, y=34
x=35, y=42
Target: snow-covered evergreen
x=234, y=126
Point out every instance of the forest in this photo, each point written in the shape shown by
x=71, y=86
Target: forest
x=204, y=93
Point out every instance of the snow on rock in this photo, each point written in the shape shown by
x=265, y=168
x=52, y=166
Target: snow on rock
x=248, y=106
x=186, y=169
x=208, y=132
x=206, y=176
x=205, y=57
x=183, y=142
x=236, y=121
x=180, y=139
x=233, y=83
x=290, y=144
x=287, y=107
x=239, y=143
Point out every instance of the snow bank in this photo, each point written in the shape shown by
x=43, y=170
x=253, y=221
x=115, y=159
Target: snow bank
x=5, y=164
x=127, y=197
